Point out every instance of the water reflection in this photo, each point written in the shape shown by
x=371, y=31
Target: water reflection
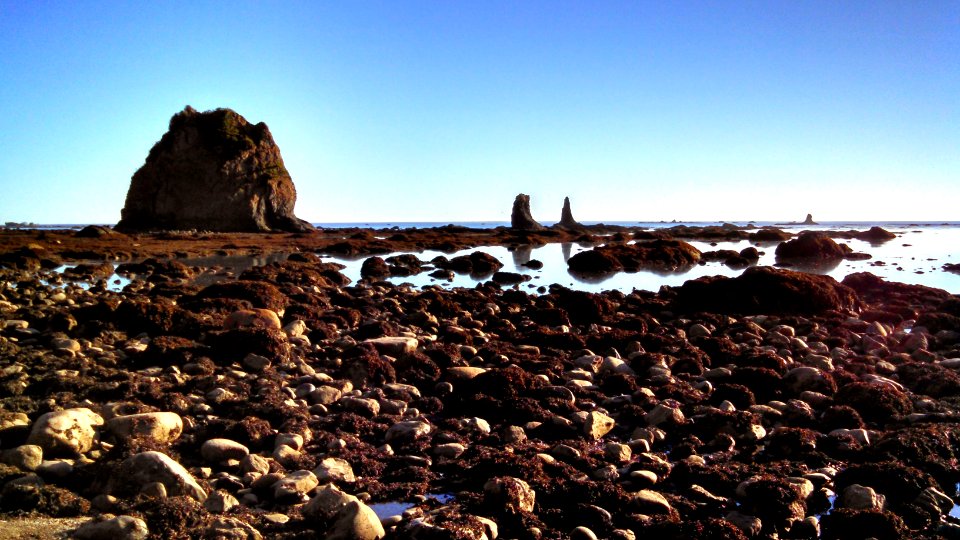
x=812, y=267
x=566, y=248
x=522, y=254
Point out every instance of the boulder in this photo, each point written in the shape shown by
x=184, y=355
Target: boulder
x=212, y=171
x=521, y=218
x=875, y=235
x=66, y=432
x=765, y=290
x=663, y=255
x=812, y=245
x=140, y=470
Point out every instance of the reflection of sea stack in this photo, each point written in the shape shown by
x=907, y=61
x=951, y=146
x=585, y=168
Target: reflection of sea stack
x=212, y=171
x=566, y=217
x=809, y=220
x=521, y=218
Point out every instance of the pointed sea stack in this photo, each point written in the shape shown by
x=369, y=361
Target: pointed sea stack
x=809, y=220
x=566, y=217
x=212, y=171
x=521, y=218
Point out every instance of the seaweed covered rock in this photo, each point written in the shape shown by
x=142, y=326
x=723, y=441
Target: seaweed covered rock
x=766, y=290
x=663, y=255
x=812, y=246
x=212, y=171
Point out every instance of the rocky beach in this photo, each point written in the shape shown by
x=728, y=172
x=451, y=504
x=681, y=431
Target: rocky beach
x=289, y=401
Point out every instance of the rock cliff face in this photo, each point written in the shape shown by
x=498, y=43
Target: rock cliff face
x=212, y=171
x=521, y=218
x=566, y=217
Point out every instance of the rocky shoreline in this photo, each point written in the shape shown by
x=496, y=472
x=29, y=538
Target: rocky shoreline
x=289, y=402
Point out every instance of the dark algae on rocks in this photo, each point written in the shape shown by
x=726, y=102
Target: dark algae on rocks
x=287, y=401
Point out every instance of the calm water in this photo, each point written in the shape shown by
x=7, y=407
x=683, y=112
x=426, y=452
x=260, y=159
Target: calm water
x=916, y=256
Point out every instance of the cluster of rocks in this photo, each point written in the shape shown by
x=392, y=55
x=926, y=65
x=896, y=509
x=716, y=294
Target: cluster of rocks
x=288, y=403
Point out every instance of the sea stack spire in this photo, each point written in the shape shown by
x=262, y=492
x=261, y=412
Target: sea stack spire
x=566, y=217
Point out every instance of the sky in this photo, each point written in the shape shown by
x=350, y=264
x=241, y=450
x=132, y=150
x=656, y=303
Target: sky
x=445, y=111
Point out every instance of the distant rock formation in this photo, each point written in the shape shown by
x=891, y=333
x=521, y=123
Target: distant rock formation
x=809, y=220
x=521, y=218
x=212, y=171
x=566, y=217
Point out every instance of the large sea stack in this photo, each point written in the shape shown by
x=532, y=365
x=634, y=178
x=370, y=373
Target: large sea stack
x=566, y=217
x=212, y=171
x=521, y=218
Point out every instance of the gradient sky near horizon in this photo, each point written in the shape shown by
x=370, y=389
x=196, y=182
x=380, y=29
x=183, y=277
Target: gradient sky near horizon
x=445, y=110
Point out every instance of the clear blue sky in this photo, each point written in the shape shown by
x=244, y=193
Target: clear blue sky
x=444, y=111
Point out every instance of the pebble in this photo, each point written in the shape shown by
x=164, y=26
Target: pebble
x=407, y=429
x=70, y=431
x=858, y=497
x=334, y=470
x=220, y=450
x=394, y=346
x=513, y=494
x=108, y=527
x=252, y=318
x=220, y=502
x=27, y=457
x=597, y=425
x=294, y=485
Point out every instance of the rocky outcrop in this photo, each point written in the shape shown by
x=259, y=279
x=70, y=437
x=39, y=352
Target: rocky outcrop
x=767, y=290
x=662, y=255
x=212, y=171
x=566, y=217
x=810, y=246
x=809, y=220
x=521, y=218
x=875, y=235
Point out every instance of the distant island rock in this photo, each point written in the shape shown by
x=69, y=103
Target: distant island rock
x=212, y=171
x=520, y=217
x=809, y=220
x=566, y=217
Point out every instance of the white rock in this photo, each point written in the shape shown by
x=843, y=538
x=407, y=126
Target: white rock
x=70, y=431
x=147, y=467
x=112, y=528
x=664, y=414
x=648, y=501
x=334, y=470
x=513, y=493
x=356, y=521
x=328, y=501
x=597, y=425
x=161, y=427
x=27, y=457
x=394, y=346
x=219, y=450
x=295, y=485
x=408, y=429
x=295, y=328
x=220, y=502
